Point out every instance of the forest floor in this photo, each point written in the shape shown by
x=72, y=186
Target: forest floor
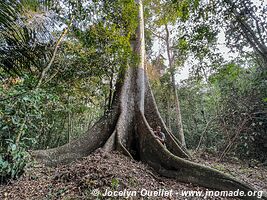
x=115, y=172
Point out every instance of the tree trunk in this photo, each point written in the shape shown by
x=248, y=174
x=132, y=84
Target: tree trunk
x=180, y=135
x=127, y=128
x=168, y=115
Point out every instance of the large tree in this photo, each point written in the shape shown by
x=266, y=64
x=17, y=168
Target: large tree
x=127, y=128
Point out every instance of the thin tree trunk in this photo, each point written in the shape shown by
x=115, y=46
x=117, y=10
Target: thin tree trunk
x=168, y=120
x=110, y=89
x=176, y=98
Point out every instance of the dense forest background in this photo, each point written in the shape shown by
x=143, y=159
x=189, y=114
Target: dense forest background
x=60, y=60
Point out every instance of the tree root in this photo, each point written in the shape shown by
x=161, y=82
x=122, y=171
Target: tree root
x=81, y=147
x=169, y=165
x=114, y=142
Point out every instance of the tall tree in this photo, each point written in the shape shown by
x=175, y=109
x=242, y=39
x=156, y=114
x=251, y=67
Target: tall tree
x=174, y=88
x=127, y=128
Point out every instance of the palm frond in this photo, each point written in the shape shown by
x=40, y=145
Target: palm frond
x=22, y=46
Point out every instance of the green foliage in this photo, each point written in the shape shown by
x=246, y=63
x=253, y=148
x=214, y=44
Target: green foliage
x=13, y=161
x=232, y=108
x=33, y=5
x=114, y=184
x=183, y=9
x=22, y=111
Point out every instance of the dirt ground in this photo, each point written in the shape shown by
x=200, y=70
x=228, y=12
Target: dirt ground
x=91, y=177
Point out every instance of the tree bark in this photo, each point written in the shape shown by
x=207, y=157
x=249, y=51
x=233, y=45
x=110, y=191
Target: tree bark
x=176, y=98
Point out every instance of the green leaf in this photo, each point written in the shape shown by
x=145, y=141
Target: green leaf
x=13, y=147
